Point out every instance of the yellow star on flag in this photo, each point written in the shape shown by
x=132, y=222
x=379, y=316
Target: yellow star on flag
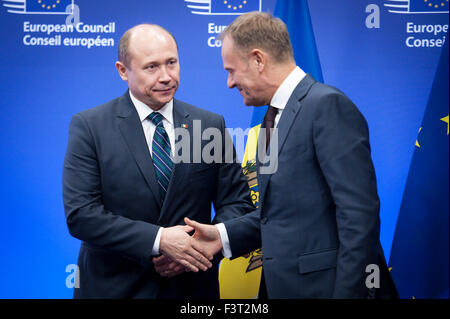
x=445, y=119
x=417, y=141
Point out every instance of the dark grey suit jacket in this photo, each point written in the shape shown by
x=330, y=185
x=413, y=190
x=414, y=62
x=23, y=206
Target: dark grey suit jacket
x=318, y=220
x=112, y=201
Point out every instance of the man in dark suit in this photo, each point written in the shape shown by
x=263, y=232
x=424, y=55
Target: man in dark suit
x=318, y=218
x=126, y=191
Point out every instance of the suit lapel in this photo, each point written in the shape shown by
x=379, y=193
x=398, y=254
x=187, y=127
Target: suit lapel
x=287, y=118
x=180, y=118
x=131, y=129
x=292, y=108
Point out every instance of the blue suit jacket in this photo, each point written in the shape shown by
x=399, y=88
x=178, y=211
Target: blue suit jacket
x=113, y=205
x=318, y=217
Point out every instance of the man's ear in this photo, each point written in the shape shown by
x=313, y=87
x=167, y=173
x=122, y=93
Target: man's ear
x=122, y=70
x=259, y=58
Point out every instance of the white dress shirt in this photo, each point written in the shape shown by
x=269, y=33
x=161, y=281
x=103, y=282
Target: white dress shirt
x=149, y=130
x=279, y=100
x=284, y=92
x=149, y=127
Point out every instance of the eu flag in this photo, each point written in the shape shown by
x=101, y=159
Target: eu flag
x=295, y=13
x=428, y=5
x=49, y=6
x=234, y=6
x=419, y=255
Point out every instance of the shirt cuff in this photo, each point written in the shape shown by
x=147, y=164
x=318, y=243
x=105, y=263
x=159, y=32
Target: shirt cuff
x=155, y=250
x=226, y=249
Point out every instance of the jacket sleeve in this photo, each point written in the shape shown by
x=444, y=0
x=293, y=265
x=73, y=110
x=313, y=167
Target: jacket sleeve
x=233, y=201
x=244, y=233
x=341, y=142
x=86, y=216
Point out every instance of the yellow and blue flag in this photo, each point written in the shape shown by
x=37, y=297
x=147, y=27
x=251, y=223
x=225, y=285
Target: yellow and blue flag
x=420, y=249
x=240, y=278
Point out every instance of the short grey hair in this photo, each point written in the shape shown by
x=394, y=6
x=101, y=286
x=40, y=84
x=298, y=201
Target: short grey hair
x=261, y=30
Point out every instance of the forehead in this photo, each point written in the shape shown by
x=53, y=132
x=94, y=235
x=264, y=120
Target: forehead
x=151, y=41
x=231, y=56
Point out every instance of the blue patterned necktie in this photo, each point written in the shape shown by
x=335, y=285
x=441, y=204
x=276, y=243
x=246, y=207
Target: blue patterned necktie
x=161, y=153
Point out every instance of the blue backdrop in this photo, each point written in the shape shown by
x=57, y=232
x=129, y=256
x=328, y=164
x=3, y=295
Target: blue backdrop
x=383, y=57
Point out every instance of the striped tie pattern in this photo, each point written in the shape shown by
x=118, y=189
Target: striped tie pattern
x=161, y=153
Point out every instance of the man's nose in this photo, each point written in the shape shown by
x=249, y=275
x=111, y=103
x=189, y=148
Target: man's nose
x=230, y=82
x=164, y=75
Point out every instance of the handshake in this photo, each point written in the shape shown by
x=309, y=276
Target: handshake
x=182, y=252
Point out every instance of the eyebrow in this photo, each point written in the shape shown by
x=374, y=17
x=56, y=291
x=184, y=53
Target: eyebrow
x=157, y=62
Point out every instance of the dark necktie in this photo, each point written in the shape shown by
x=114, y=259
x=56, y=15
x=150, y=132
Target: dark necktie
x=161, y=153
x=269, y=120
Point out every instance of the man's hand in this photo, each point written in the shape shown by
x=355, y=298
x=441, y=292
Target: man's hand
x=206, y=236
x=180, y=247
x=167, y=267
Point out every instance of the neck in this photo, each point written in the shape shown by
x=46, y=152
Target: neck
x=277, y=74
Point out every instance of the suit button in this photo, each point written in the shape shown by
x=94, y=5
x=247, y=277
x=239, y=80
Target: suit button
x=264, y=220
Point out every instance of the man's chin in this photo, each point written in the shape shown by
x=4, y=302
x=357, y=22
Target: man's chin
x=253, y=103
x=158, y=104
x=163, y=99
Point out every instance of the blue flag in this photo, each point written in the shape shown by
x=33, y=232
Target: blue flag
x=295, y=13
x=223, y=7
x=49, y=6
x=420, y=250
x=428, y=5
x=234, y=6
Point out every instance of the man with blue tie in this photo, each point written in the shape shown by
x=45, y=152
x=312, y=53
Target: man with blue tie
x=124, y=193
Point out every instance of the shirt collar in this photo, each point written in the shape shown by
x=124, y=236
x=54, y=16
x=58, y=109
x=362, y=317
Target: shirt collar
x=144, y=111
x=284, y=92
